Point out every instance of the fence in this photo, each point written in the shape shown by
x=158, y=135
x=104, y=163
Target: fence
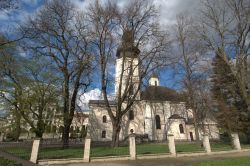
x=152, y=149
x=18, y=149
x=99, y=149
x=50, y=149
x=86, y=150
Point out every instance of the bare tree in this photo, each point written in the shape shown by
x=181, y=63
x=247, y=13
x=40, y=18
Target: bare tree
x=189, y=67
x=59, y=33
x=225, y=27
x=142, y=50
x=8, y=4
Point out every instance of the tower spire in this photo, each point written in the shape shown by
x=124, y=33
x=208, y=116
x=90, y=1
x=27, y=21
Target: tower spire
x=127, y=47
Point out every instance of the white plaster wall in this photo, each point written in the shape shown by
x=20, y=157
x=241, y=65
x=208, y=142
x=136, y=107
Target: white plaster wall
x=144, y=113
x=190, y=128
x=96, y=126
x=148, y=122
x=153, y=109
x=174, y=129
x=137, y=124
x=213, y=131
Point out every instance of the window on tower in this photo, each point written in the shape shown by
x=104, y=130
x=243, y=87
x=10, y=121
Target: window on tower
x=131, y=90
x=158, y=122
x=104, y=119
x=155, y=83
x=131, y=115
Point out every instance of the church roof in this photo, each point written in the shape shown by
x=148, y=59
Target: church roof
x=101, y=102
x=176, y=116
x=160, y=93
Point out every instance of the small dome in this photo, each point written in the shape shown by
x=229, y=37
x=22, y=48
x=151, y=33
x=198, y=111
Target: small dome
x=154, y=75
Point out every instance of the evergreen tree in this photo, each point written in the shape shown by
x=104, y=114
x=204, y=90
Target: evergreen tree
x=226, y=94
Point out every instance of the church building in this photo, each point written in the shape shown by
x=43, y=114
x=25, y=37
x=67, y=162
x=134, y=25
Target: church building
x=157, y=111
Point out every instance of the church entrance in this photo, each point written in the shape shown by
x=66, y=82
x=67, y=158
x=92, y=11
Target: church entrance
x=191, y=136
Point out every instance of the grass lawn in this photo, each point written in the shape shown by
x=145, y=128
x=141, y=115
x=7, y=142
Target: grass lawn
x=245, y=146
x=151, y=149
x=5, y=162
x=188, y=148
x=59, y=153
x=108, y=151
x=220, y=146
x=241, y=161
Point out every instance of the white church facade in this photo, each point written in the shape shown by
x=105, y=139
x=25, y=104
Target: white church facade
x=157, y=111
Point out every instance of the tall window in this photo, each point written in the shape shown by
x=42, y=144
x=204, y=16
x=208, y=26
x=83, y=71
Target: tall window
x=131, y=115
x=155, y=83
x=104, y=134
x=181, y=128
x=158, y=122
x=131, y=90
x=104, y=119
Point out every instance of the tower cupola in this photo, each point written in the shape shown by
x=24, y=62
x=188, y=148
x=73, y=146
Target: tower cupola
x=154, y=80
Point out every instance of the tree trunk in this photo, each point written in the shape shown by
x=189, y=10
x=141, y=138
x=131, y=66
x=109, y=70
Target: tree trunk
x=197, y=137
x=39, y=134
x=65, y=136
x=17, y=127
x=196, y=128
x=40, y=128
x=115, y=135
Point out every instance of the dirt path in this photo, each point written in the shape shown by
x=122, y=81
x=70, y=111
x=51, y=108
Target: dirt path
x=180, y=161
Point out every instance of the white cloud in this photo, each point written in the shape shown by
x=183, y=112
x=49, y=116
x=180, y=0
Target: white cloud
x=170, y=8
x=30, y=2
x=94, y=94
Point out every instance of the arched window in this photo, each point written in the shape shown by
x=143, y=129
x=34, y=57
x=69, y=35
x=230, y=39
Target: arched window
x=131, y=115
x=181, y=128
x=158, y=122
x=104, y=134
x=155, y=83
x=104, y=119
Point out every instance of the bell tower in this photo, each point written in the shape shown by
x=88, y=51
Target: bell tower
x=127, y=69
